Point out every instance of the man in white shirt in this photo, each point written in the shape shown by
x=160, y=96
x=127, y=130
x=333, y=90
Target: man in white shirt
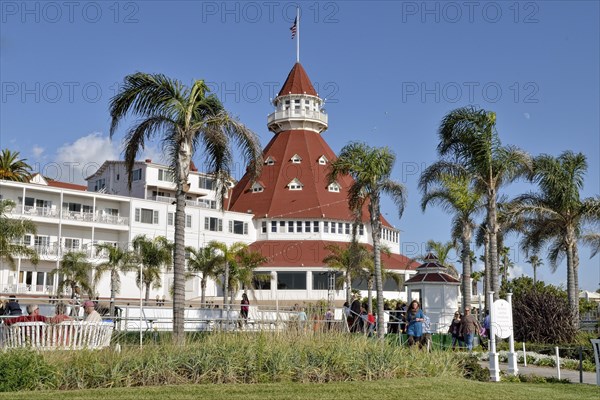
x=90, y=312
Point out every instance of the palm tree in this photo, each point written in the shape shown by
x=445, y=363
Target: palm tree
x=203, y=261
x=457, y=195
x=12, y=168
x=476, y=276
x=226, y=260
x=154, y=255
x=371, y=169
x=11, y=235
x=507, y=263
x=242, y=271
x=119, y=261
x=186, y=118
x=556, y=215
x=535, y=262
x=471, y=147
x=75, y=271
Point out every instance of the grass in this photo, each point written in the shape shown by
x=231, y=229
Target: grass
x=415, y=388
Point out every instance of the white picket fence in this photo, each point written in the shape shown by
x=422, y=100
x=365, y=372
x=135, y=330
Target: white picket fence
x=68, y=335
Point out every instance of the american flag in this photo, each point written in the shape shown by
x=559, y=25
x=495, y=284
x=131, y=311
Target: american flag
x=293, y=28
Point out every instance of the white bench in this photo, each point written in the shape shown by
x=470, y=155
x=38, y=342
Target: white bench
x=68, y=335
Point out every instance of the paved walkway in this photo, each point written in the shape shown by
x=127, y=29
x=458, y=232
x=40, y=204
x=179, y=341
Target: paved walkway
x=571, y=375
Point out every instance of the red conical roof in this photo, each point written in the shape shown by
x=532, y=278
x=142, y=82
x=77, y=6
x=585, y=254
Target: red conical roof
x=297, y=82
x=277, y=200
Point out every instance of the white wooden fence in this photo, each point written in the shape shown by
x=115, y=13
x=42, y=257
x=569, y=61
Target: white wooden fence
x=68, y=335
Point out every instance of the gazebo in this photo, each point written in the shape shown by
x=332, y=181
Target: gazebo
x=436, y=290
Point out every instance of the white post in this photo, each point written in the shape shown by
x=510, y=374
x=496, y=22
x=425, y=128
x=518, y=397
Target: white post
x=596, y=346
x=494, y=367
x=524, y=355
x=141, y=305
x=512, y=355
x=557, y=363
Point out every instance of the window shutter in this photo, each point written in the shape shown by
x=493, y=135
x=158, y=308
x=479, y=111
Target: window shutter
x=155, y=217
x=137, y=215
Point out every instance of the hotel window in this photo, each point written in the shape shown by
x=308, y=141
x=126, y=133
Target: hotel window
x=361, y=229
x=100, y=184
x=238, y=227
x=315, y=226
x=136, y=175
x=207, y=183
x=325, y=226
x=291, y=280
x=257, y=187
x=334, y=187
x=263, y=226
x=274, y=226
x=333, y=225
x=166, y=175
x=295, y=185
x=297, y=104
x=261, y=280
x=71, y=244
x=213, y=224
x=307, y=226
x=188, y=221
x=323, y=160
x=296, y=159
x=146, y=216
x=73, y=207
x=281, y=226
x=170, y=219
x=290, y=226
x=347, y=228
x=299, y=226
x=270, y=161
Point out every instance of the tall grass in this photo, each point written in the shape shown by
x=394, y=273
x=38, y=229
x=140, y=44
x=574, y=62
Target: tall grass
x=244, y=358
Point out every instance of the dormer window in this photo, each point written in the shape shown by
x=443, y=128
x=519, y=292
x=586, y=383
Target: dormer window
x=257, y=187
x=295, y=184
x=323, y=160
x=270, y=161
x=334, y=187
x=296, y=159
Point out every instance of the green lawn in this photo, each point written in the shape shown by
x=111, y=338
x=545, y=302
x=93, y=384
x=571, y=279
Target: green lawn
x=413, y=388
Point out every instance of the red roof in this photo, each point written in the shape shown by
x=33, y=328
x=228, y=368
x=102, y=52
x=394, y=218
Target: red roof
x=433, y=277
x=297, y=82
x=310, y=253
x=277, y=200
x=66, y=185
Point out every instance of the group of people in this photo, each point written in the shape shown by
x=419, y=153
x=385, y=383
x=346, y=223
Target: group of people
x=464, y=328
x=13, y=310
x=358, y=318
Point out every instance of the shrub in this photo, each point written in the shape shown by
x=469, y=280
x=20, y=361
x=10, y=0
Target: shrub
x=473, y=370
x=25, y=370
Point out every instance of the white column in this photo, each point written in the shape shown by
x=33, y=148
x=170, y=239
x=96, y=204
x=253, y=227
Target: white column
x=494, y=367
x=512, y=356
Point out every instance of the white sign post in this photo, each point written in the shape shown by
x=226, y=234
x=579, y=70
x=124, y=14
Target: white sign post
x=512, y=355
x=494, y=367
x=501, y=325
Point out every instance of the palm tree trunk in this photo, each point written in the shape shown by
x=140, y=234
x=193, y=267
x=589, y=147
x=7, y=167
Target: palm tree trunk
x=576, y=281
x=226, y=286
x=203, y=291
x=375, y=212
x=466, y=262
x=492, y=223
x=179, y=268
x=572, y=294
x=348, y=288
x=486, y=270
x=113, y=292
x=147, y=296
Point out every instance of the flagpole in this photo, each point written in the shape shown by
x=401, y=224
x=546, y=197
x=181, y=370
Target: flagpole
x=298, y=34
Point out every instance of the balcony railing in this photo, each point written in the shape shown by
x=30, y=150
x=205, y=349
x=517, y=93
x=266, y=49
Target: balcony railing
x=298, y=114
x=48, y=212
x=170, y=200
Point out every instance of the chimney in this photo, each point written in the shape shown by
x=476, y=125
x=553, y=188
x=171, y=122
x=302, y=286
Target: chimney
x=148, y=160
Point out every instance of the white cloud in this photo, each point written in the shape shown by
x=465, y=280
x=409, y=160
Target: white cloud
x=527, y=115
x=37, y=151
x=516, y=272
x=78, y=160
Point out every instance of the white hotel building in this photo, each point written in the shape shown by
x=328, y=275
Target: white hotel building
x=289, y=214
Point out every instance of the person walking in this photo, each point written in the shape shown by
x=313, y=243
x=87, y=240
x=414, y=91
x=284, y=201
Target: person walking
x=414, y=320
x=244, y=309
x=469, y=328
x=454, y=330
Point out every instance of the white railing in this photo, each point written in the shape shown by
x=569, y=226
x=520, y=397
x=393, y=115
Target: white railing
x=48, y=212
x=298, y=114
x=68, y=335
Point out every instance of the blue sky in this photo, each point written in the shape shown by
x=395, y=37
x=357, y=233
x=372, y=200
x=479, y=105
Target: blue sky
x=389, y=72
